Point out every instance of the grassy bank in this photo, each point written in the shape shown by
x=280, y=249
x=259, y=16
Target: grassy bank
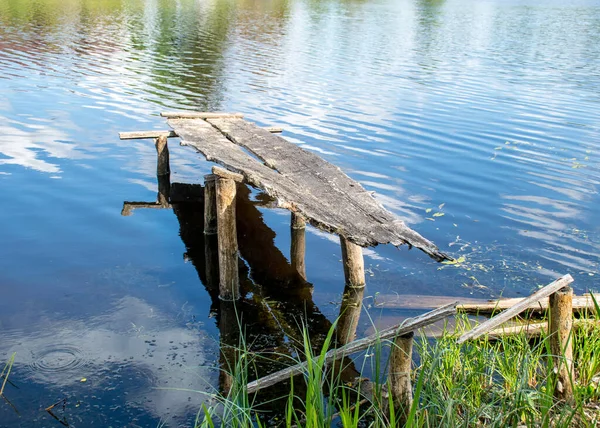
x=499, y=383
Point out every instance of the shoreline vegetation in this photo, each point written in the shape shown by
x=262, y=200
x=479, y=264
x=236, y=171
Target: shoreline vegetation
x=496, y=381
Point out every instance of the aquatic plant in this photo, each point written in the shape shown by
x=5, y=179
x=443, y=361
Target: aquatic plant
x=502, y=382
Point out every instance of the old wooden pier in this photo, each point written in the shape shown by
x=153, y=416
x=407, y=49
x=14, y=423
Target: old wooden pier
x=318, y=193
x=314, y=190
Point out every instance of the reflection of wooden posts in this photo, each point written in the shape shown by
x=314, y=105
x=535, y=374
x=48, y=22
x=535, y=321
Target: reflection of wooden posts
x=349, y=314
x=561, y=344
x=210, y=204
x=229, y=287
x=162, y=151
x=354, y=265
x=298, y=247
x=399, y=375
x=164, y=190
x=230, y=337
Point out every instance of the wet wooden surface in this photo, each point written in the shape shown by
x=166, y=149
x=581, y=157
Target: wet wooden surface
x=472, y=305
x=300, y=181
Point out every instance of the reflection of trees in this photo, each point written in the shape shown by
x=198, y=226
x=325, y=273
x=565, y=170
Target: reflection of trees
x=176, y=48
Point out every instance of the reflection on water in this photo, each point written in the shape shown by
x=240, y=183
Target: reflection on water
x=476, y=122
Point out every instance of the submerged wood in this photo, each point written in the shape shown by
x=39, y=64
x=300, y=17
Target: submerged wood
x=501, y=318
x=560, y=326
x=300, y=181
x=408, y=325
x=472, y=305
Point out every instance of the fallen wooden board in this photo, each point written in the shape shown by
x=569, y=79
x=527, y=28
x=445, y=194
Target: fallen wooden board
x=472, y=305
x=515, y=310
x=300, y=181
x=407, y=326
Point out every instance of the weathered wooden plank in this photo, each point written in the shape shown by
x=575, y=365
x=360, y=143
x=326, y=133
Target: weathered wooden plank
x=405, y=327
x=327, y=197
x=198, y=115
x=140, y=135
x=490, y=324
x=136, y=135
x=340, y=195
x=472, y=305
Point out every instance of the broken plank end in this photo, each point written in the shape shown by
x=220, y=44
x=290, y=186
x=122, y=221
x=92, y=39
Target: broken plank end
x=224, y=173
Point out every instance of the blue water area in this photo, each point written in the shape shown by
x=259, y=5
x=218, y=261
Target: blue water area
x=476, y=122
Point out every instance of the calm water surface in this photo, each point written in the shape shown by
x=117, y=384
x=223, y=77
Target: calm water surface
x=475, y=121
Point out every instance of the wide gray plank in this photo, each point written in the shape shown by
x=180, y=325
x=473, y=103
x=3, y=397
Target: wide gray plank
x=301, y=182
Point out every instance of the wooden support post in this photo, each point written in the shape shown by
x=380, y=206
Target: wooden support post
x=298, y=247
x=560, y=327
x=162, y=151
x=210, y=204
x=229, y=287
x=349, y=314
x=354, y=265
x=399, y=375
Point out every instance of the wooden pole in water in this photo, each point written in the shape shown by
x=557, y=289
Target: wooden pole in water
x=210, y=204
x=354, y=273
x=560, y=327
x=354, y=265
x=162, y=151
x=399, y=375
x=229, y=287
x=298, y=247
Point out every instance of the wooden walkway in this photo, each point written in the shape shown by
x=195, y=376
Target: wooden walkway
x=299, y=180
x=314, y=190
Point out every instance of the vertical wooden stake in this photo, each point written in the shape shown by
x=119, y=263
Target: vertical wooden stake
x=229, y=287
x=162, y=151
x=298, y=247
x=210, y=204
x=561, y=342
x=354, y=265
x=399, y=375
x=349, y=314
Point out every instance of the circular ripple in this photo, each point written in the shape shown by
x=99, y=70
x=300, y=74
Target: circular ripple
x=59, y=358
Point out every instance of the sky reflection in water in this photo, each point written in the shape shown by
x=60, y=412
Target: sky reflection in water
x=485, y=109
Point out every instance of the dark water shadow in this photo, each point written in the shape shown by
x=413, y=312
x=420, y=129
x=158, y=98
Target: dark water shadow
x=276, y=307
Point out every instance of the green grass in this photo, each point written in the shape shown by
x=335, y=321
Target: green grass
x=480, y=383
x=5, y=372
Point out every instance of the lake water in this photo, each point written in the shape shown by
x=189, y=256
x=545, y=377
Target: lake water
x=477, y=122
